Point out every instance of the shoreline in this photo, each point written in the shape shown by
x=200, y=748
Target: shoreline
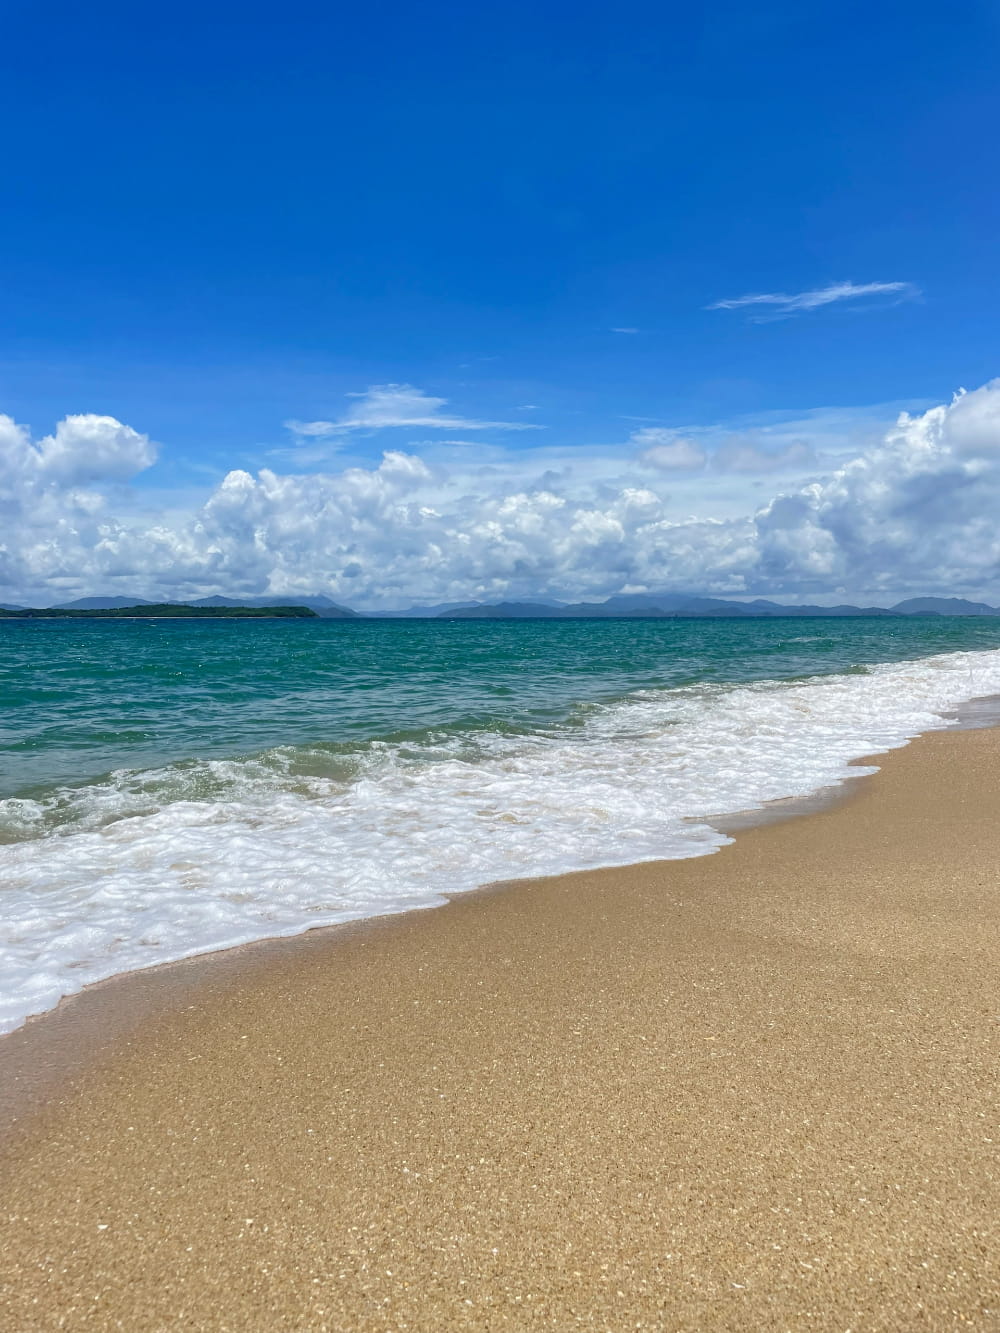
x=88, y=1026
x=86, y=1022
x=748, y=1090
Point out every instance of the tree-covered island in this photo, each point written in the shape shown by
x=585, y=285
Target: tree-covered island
x=165, y=611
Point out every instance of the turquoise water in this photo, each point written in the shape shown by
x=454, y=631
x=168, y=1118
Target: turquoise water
x=171, y=788
x=80, y=699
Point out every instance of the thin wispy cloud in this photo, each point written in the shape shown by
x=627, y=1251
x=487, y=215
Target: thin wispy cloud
x=783, y=305
x=384, y=406
x=623, y=330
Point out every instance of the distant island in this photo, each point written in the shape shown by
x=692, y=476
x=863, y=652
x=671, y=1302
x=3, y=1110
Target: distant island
x=637, y=606
x=160, y=611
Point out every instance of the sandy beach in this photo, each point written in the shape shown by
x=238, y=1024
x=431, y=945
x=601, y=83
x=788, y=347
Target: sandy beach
x=753, y=1091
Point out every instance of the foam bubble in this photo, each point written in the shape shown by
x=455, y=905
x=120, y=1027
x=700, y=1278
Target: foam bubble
x=156, y=866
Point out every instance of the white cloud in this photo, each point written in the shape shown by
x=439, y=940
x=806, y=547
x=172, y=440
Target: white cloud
x=83, y=448
x=741, y=455
x=623, y=330
x=53, y=504
x=972, y=423
x=912, y=511
x=95, y=448
x=663, y=449
x=781, y=305
x=310, y=429
x=383, y=406
x=667, y=451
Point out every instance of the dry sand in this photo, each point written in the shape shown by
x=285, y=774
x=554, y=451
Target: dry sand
x=756, y=1091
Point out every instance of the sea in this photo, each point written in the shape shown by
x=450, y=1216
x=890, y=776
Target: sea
x=171, y=788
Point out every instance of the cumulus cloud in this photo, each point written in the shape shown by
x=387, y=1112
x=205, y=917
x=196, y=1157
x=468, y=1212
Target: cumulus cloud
x=913, y=511
x=53, y=494
x=382, y=406
x=970, y=424
x=782, y=305
x=95, y=448
x=82, y=448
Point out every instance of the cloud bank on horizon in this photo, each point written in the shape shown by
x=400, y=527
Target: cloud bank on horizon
x=914, y=511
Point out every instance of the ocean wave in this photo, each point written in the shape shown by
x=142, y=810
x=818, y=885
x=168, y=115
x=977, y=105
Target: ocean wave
x=147, y=867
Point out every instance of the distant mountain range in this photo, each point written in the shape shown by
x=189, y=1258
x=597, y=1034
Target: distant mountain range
x=638, y=605
x=669, y=605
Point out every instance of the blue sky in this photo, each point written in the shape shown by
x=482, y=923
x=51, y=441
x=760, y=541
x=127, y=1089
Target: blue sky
x=221, y=218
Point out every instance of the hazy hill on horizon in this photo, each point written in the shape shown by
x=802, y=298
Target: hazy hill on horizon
x=665, y=604
x=100, y=604
x=944, y=606
x=676, y=604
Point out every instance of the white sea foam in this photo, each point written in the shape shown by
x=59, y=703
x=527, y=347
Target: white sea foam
x=144, y=873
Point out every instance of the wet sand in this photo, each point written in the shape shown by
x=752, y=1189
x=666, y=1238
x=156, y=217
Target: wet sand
x=754, y=1091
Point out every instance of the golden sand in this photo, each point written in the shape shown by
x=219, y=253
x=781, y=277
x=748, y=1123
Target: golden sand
x=755, y=1091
